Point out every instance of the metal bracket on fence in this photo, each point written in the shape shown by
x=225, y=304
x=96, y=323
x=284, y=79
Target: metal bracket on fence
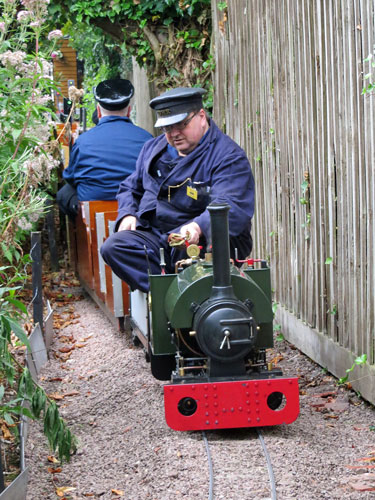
x=37, y=358
x=48, y=326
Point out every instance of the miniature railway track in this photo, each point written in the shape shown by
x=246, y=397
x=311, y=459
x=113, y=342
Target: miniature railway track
x=265, y=453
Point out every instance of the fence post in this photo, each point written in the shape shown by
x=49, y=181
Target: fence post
x=2, y=484
x=36, y=255
x=50, y=224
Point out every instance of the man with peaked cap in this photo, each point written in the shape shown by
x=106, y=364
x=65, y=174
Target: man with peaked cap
x=105, y=155
x=177, y=175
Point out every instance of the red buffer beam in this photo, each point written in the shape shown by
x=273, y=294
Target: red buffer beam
x=222, y=405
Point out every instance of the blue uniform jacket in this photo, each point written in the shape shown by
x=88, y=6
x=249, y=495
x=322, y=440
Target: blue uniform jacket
x=103, y=156
x=216, y=170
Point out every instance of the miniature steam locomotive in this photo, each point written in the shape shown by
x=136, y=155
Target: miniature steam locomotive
x=206, y=329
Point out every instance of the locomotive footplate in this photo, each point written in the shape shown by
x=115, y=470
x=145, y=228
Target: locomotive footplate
x=231, y=404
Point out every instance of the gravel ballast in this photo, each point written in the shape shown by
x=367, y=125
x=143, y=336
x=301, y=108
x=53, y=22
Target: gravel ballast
x=112, y=404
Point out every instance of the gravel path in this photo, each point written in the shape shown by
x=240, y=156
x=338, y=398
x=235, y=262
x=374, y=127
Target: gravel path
x=126, y=451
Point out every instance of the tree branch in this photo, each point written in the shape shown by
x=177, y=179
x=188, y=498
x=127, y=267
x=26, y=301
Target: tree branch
x=154, y=42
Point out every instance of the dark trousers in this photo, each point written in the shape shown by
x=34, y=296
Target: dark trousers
x=132, y=255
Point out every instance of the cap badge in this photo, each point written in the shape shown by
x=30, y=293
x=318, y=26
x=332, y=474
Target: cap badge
x=163, y=112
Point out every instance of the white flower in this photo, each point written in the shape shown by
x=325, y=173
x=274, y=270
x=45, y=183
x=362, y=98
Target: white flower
x=23, y=15
x=24, y=224
x=10, y=58
x=55, y=34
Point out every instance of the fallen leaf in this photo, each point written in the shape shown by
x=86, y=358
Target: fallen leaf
x=56, y=396
x=325, y=394
x=85, y=338
x=53, y=470
x=6, y=432
x=276, y=359
x=363, y=466
x=52, y=459
x=65, y=357
x=72, y=393
x=66, y=339
x=60, y=492
x=117, y=492
x=66, y=349
x=55, y=379
x=81, y=345
x=179, y=454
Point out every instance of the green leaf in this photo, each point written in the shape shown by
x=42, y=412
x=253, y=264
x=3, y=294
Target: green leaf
x=328, y=261
x=361, y=360
x=19, y=333
x=17, y=303
x=8, y=418
x=16, y=133
x=38, y=402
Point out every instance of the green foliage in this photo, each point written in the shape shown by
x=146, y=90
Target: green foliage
x=369, y=88
x=27, y=165
x=170, y=39
x=359, y=361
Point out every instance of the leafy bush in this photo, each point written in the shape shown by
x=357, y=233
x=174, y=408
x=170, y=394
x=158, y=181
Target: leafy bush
x=28, y=161
x=170, y=39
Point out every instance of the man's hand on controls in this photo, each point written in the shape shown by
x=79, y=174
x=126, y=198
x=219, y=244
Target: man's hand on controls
x=128, y=222
x=194, y=231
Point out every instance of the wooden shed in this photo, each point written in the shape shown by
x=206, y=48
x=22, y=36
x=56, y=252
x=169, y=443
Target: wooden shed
x=67, y=71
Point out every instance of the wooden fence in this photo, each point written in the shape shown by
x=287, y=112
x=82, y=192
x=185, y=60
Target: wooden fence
x=288, y=89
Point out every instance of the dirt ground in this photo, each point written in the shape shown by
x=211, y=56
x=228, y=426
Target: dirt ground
x=113, y=405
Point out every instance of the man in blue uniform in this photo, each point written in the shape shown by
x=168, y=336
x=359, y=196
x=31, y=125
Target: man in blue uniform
x=105, y=155
x=177, y=175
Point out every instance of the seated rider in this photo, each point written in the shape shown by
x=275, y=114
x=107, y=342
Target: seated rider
x=177, y=175
x=103, y=156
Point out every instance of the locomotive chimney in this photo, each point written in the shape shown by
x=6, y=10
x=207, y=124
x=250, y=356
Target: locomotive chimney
x=220, y=250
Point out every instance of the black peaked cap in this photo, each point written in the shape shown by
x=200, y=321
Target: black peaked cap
x=114, y=94
x=174, y=105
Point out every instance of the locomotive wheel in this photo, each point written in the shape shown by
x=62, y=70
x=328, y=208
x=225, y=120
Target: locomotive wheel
x=135, y=339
